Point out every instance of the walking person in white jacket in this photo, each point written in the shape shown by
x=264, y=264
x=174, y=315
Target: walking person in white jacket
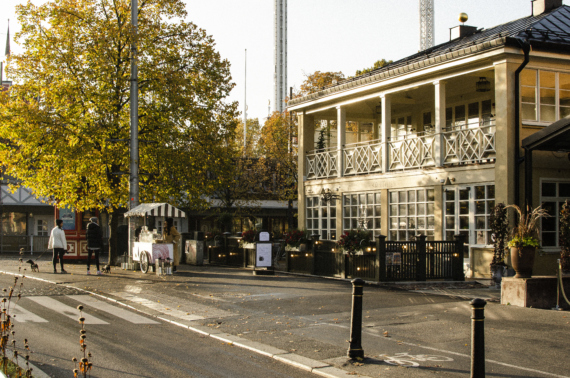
x=58, y=243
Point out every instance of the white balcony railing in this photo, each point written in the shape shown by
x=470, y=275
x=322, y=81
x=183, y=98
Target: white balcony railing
x=412, y=152
x=469, y=145
x=363, y=157
x=322, y=164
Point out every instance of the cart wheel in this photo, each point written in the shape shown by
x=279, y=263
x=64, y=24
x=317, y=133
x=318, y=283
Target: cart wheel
x=144, y=262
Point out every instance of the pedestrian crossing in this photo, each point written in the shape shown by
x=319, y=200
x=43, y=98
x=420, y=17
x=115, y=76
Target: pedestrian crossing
x=90, y=303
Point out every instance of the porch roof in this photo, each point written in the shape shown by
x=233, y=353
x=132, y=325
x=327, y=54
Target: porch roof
x=555, y=137
x=548, y=31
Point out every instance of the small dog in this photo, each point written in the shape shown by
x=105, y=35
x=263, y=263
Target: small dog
x=33, y=265
x=107, y=269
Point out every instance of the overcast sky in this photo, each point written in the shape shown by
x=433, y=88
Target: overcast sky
x=324, y=35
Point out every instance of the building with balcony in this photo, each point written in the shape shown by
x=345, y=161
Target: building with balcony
x=430, y=143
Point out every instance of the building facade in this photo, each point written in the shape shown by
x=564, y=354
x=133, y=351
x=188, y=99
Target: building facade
x=430, y=143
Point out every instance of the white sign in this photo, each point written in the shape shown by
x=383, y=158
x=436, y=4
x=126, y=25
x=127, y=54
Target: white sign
x=264, y=236
x=263, y=255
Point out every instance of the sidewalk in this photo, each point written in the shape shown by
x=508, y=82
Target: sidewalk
x=305, y=321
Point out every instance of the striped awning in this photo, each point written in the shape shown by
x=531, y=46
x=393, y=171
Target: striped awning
x=155, y=209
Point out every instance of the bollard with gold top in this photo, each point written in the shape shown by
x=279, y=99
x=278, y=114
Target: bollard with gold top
x=355, y=348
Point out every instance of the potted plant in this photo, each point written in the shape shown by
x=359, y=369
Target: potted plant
x=247, y=239
x=499, y=225
x=524, y=240
x=353, y=242
x=564, y=237
x=294, y=239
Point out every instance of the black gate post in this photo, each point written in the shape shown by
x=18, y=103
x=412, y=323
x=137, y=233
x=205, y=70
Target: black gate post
x=457, y=259
x=355, y=348
x=380, y=274
x=478, y=338
x=421, y=258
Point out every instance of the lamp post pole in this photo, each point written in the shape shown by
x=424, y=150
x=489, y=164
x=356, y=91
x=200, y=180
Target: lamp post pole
x=134, y=151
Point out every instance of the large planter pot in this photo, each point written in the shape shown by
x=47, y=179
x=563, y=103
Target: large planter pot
x=523, y=261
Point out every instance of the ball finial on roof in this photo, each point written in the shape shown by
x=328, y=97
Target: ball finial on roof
x=463, y=17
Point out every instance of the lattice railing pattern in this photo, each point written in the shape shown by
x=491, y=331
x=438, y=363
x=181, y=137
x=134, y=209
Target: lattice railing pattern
x=412, y=152
x=322, y=164
x=469, y=145
x=362, y=158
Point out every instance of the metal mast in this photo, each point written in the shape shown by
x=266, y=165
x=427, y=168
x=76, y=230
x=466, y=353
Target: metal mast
x=426, y=24
x=245, y=106
x=134, y=153
x=280, y=58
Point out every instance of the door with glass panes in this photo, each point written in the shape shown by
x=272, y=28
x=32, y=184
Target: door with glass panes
x=321, y=218
x=467, y=212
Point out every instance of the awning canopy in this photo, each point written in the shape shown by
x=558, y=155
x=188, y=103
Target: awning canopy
x=555, y=137
x=155, y=209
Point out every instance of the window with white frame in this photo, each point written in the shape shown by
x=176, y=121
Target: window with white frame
x=552, y=196
x=401, y=127
x=467, y=212
x=362, y=210
x=545, y=95
x=471, y=115
x=42, y=227
x=321, y=218
x=411, y=213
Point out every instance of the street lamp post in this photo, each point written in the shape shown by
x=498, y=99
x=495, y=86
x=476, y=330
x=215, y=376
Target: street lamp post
x=134, y=151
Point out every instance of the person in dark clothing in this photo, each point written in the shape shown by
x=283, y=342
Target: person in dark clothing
x=94, y=243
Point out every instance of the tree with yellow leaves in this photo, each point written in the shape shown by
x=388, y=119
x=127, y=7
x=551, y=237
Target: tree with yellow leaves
x=64, y=124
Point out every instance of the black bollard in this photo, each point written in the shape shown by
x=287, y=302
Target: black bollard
x=478, y=338
x=355, y=348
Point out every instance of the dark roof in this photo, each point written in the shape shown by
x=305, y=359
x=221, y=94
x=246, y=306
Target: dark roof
x=555, y=137
x=550, y=30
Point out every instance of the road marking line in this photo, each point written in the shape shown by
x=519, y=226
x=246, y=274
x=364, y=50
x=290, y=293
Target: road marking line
x=453, y=353
x=113, y=310
x=21, y=315
x=160, y=307
x=66, y=310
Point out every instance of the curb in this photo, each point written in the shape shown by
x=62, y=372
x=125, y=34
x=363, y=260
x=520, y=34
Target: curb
x=313, y=366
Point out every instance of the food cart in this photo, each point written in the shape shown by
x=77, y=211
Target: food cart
x=148, y=247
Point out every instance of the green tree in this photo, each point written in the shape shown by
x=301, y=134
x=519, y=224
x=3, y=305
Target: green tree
x=318, y=80
x=279, y=158
x=252, y=135
x=64, y=123
x=377, y=64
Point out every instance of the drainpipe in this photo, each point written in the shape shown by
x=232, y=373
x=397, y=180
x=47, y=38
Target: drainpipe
x=525, y=46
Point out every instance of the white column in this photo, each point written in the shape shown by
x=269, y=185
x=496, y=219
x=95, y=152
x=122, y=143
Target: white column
x=439, y=143
x=341, y=137
x=386, y=130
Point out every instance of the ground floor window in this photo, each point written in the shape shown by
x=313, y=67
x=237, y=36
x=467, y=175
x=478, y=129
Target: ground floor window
x=411, y=213
x=467, y=212
x=362, y=210
x=13, y=223
x=552, y=196
x=321, y=218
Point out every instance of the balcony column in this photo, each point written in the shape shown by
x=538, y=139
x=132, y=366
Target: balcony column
x=386, y=119
x=306, y=140
x=341, y=138
x=439, y=143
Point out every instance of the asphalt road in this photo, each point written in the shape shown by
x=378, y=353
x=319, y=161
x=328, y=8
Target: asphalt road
x=405, y=334
x=124, y=343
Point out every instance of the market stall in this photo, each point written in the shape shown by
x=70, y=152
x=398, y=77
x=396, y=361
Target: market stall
x=148, y=247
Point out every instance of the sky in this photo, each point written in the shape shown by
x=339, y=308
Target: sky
x=323, y=35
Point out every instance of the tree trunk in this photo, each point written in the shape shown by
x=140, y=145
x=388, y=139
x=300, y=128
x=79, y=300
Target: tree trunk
x=290, y=215
x=113, y=237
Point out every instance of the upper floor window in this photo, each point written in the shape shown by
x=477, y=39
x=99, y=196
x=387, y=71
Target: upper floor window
x=471, y=115
x=545, y=95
